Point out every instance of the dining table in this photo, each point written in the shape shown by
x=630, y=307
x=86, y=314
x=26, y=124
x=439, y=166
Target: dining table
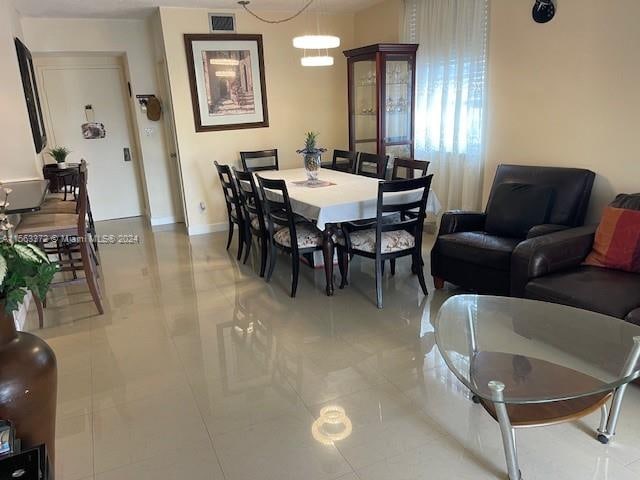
x=337, y=197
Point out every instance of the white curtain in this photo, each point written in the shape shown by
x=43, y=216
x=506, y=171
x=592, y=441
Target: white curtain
x=450, y=94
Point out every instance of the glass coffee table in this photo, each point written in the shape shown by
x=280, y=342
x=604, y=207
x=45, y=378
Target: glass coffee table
x=531, y=363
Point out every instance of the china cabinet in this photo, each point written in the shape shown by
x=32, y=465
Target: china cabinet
x=381, y=80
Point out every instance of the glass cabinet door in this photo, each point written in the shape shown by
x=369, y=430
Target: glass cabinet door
x=364, y=105
x=398, y=98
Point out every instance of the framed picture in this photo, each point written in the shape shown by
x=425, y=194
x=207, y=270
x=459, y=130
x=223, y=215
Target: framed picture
x=226, y=73
x=31, y=95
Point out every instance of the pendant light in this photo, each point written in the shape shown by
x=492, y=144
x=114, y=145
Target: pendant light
x=306, y=42
x=316, y=61
x=316, y=42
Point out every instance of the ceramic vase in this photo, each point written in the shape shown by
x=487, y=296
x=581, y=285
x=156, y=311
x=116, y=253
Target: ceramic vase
x=28, y=386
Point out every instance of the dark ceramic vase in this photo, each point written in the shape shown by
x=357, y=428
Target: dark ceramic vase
x=28, y=386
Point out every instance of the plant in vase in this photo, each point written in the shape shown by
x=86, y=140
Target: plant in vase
x=29, y=382
x=312, y=156
x=60, y=154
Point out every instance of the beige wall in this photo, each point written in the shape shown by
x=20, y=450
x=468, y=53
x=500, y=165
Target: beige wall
x=18, y=160
x=379, y=23
x=133, y=39
x=566, y=93
x=300, y=99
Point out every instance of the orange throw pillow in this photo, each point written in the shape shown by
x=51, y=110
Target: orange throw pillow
x=617, y=241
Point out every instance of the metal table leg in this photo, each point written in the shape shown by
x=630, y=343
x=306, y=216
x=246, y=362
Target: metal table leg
x=508, y=437
x=605, y=434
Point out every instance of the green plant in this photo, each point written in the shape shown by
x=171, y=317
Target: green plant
x=59, y=154
x=310, y=144
x=310, y=141
x=23, y=266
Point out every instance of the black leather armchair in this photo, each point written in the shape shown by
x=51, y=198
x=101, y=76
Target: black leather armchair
x=466, y=255
x=550, y=269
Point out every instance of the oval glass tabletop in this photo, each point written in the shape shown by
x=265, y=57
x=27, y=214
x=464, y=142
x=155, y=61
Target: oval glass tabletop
x=540, y=351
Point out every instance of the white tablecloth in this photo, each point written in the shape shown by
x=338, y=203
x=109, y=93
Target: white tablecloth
x=353, y=197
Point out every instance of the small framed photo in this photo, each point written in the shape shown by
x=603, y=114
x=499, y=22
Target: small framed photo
x=6, y=438
x=226, y=75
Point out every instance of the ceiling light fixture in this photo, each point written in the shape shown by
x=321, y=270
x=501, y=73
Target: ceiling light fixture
x=305, y=42
x=316, y=41
x=316, y=61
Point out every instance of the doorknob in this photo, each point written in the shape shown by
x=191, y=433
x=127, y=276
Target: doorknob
x=127, y=154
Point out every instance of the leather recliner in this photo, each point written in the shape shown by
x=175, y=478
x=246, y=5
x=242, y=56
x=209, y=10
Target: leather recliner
x=466, y=255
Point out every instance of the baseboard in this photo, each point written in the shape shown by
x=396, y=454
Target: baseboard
x=155, y=221
x=208, y=228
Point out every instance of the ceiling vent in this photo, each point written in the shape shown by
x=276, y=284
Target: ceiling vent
x=222, y=22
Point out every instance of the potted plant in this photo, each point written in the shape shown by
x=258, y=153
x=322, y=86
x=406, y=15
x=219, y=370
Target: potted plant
x=312, y=156
x=29, y=378
x=60, y=154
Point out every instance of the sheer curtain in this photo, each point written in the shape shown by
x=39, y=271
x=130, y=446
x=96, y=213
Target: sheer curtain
x=450, y=94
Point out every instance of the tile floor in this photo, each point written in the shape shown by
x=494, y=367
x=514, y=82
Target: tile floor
x=201, y=370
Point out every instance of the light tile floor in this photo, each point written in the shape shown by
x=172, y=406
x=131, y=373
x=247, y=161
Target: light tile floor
x=201, y=370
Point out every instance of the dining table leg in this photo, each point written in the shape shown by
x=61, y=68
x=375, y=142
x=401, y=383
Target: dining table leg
x=328, y=249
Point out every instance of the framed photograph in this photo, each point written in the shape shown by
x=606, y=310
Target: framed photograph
x=226, y=74
x=31, y=95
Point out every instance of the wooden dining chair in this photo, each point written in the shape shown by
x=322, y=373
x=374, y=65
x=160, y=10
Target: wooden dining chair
x=259, y=160
x=252, y=210
x=283, y=226
x=343, y=161
x=372, y=165
x=234, y=207
x=405, y=168
x=71, y=228
x=55, y=203
x=387, y=240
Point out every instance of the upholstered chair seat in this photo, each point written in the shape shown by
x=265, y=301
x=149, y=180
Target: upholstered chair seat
x=308, y=236
x=393, y=241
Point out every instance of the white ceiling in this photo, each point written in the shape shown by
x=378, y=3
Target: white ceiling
x=142, y=8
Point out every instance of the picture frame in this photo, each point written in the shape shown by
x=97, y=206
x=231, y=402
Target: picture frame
x=28, y=76
x=227, y=81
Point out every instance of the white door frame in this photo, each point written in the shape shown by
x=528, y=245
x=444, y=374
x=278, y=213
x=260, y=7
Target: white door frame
x=80, y=60
x=171, y=139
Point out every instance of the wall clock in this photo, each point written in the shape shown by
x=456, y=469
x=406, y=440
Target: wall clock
x=543, y=11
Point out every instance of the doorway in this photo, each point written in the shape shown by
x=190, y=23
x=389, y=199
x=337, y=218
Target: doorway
x=93, y=90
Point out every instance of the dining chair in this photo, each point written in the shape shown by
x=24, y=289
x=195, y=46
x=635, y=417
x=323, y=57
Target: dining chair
x=403, y=169
x=72, y=229
x=343, y=161
x=409, y=167
x=55, y=203
x=387, y=240
x=259, y=160
x=283, y=226
x=252, y=210
x=234, y=207
x=372, y=165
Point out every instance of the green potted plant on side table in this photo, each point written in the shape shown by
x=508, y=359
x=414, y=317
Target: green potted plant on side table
x=28, y=384
x=60, y=154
